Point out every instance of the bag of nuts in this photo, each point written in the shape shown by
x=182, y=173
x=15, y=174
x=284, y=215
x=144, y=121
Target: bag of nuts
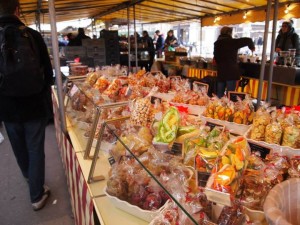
x=140, y=110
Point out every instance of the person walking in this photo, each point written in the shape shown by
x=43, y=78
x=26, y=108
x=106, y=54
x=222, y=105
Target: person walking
x=225, y=55
x=25, y=97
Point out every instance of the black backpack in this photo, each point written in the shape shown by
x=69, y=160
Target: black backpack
x=21, y=73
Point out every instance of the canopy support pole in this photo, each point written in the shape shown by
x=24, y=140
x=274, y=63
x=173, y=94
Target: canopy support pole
x=263, y=62
x=58, y=78
x=275, y=17
x=135, y=40
x=128, y=36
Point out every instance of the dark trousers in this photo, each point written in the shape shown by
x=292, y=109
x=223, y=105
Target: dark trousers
x=27, y=140
x=230, y=85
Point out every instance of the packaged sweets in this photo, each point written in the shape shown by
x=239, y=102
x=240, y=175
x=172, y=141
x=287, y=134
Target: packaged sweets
x=273, y=133
x=294, y=170
x=140, y=111
x=291, y=136
x=261, y=120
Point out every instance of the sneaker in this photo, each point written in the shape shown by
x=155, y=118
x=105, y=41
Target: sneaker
x=42, y=202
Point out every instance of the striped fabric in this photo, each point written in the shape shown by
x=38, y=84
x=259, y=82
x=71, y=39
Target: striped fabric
x=81, y=200
x=288, y=95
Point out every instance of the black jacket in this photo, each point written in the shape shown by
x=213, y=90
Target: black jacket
x=288, y=40
x=77, y=41
x=160, y=42
x=22, y=109
x=225, y=53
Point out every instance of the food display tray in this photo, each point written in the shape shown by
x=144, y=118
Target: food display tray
x=146, y=215
x=239, y=129
x=275, y=148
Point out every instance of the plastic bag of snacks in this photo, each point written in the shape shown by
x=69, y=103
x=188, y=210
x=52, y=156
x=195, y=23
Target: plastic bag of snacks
x=261, y=119
x=273, y=133
x=231, y=215
x=291, y=136
x=91, y=78
x=101, y=84
x=230, y=166
x=219, y=111
x=140, y=110
x=294, y=170
x=244, y=111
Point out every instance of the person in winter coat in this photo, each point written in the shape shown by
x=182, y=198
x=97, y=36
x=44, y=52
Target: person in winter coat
x=77, y=41
x=148, y=43
x=287, y=38
x=225, y=55
x=171, y=40
x=159, y=43
x=25, y=117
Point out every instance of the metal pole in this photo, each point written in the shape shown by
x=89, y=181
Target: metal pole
x=128, y=35
x=275, y=17
x=263, y=62
x=57, y=65
x=135, y=40
x=200, y=46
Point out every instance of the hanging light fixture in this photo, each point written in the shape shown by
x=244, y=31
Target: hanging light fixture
x=286, y=11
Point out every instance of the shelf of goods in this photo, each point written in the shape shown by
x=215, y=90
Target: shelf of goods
x=159, y=159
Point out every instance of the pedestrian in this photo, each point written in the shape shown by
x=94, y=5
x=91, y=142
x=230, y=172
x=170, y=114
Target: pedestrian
x=225, y=55
x=147, y=41
x=287, y=38
x=77, y=41
x=159, y=43
x=25, y=98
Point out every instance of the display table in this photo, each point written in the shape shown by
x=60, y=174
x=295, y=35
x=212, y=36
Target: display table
x=86, y=199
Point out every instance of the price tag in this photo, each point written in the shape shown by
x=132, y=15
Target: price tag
x=73, y=90
x=213, y=125
x=233, y=95
x=261, y=150
x=111, y=160
x=202, y=178
x=153, y=98
x=177, y=148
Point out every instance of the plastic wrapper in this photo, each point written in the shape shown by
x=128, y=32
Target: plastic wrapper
x=113, y=89
x=244, y=111
x=168, y=126
x=231, y=215
x=261, y=120
x=140, y=110
x=219, y=110
x=230, y=166
x=273, y=133
x=91, y=78
x=291, y=137
x=210, y=109
x=79, y=101
x=101, y=84
x=294, y=170
x=138, y=140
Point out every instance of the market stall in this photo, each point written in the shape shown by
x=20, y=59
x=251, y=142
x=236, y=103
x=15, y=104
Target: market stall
x=102, y=195
x=224, y=165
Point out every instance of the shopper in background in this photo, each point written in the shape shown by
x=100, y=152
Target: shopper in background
x=159, y=44
x=147, y=42
x=225, y=56
x=171, y=41
x=287, y=38
x=25, y=118
x=77, y=41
